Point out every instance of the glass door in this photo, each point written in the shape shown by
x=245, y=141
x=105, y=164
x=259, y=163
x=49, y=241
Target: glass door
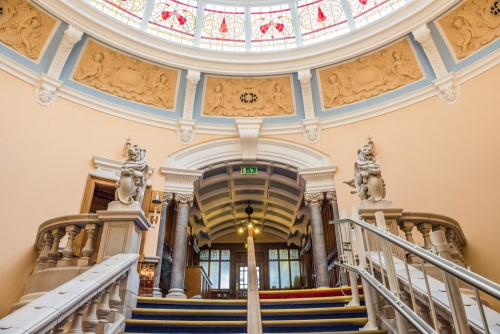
x=242, y=280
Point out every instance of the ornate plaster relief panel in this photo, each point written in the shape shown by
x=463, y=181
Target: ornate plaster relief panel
x=248, y=97
x=471, y=26
x=116, y=73
x=376, y=73
x=25, y=28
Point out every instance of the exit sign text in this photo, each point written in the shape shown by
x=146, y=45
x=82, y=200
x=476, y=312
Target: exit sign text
x=248, y=170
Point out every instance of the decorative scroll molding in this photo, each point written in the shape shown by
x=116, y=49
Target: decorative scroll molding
x=192, y=79
x=184, y=200
x=313, y=199
x=304, y=77
x=167, y=198
x=312, y=131
x=70, y=38
x=180, y=181
x=331, y=197
x=46, y=89
x=185, y=132
x=319, y=179
x=248, y=129
x=449, y=90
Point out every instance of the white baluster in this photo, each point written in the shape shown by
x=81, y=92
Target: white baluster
x=88, y=250
x=44, y=254
x=67, y=259
x=90, y=320
x=53, y=255
x=76, y=321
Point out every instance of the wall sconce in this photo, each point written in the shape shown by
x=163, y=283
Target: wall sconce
x=156, y=200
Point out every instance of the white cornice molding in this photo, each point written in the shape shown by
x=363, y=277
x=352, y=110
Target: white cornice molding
x=318, y=179
x=180, y=181
x=126, y=38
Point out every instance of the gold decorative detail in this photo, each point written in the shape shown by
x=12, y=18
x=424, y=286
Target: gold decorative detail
x=127, y=77
x=472, y=25
x=248, y=97
x=24, y=28
x=370, y=75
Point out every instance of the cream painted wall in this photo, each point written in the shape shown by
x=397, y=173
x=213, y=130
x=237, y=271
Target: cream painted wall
x=435, y=157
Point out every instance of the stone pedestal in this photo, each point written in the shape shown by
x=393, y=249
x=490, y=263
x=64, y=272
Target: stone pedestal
x=121, y=232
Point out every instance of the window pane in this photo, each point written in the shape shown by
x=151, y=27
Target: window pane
x=204, y=265
x=224, y=275
x=294, y=254
x=214, y=274
x=285, y=274
x=274, y=277
x=295, y=271
x=243, y=278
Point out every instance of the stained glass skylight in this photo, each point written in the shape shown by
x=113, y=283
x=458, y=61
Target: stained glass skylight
x=244, y=27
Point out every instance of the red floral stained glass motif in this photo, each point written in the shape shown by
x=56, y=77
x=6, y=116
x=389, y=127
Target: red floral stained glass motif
x=363, y=2
x=223, y=28
x=129, y=12
x=367, y=11
x=321, y=15
x=272, y=28
x=174, y=20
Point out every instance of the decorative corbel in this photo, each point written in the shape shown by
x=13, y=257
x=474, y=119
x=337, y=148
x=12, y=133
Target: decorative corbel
x=449, y=90
x=46, y=90
x=311, y=131
x=249, y=129
x=185, y=132
x=192, y=79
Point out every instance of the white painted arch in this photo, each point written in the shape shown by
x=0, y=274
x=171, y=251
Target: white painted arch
x=202, y=155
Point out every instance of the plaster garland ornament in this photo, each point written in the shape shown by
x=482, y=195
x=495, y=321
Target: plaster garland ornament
x=313, y=199
x=134, y=173
x=367, y=179
x=184, y=200
x=304, y=77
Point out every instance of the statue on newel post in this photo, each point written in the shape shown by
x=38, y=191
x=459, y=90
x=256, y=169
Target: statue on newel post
x=134, y=173
x=367, y=179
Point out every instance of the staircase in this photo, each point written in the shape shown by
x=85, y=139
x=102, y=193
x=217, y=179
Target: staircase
x=327, y=313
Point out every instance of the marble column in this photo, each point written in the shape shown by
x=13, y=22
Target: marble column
x=167, y=198
x=184, y=202
x=331, y=197
x=314, y=202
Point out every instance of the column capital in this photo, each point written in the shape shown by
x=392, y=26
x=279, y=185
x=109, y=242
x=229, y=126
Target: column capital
x=167, y=197
x=180, y=181
x=331, y=197
x=313, y=199
x=184, y=200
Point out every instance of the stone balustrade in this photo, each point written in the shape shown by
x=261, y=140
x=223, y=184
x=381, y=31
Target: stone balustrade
x=425, y=223
x=53, y=231
x=97, y=301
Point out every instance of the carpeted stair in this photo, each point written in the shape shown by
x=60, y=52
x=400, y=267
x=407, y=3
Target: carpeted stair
x=324, y=313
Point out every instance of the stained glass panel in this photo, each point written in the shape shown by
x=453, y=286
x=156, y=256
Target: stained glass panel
x=174, y=20
x=223, y=28
x=294, y=254
x=273, y=254
x=225, y=255
x=129, y=12
x=321, y=20
x=204, y=254
x=214, y=254
x=283, y=254
x=368, y=11
x=272, y=28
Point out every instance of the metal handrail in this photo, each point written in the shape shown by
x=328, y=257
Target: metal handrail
x=407, y=312
x=481, y=283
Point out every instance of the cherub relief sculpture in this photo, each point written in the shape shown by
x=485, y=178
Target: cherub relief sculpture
x=23, y=27
x=370, y=75
x=134, y=174
x=271, y=96
x=127, y=77
x=367, y=179
x=472, y=25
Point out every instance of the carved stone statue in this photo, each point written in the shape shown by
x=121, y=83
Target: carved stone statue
x=368, y=179
x=133, y=177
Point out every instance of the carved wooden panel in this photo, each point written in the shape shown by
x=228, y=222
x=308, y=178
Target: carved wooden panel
x=118, y=74
x=471, y=26
x=24, y=28
x=248, y=97
x=370, y=75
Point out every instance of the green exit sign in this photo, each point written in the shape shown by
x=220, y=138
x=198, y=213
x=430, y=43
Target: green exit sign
x=248, y=170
